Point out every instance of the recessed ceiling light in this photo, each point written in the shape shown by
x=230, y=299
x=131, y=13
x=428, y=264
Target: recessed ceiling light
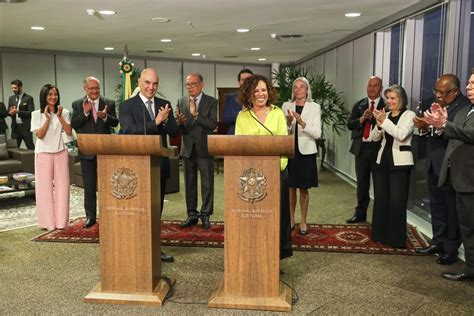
x=108, y=48
x=255, y=48
x=243, y=30
x=352, y=14
x=37, y=28
x=262, y=59
x=161, y=20
x=165, y=40
x=107, y=12
x=196, y=54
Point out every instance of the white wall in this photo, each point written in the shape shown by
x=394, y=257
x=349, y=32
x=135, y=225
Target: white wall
x=348, y=67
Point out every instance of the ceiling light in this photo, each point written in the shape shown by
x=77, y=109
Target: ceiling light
x=196, y=54
x=472, y=12
x=161, y=20
x=90, y=11
x=262, y=59
x=165, y=40
x=352, y=14
x=243, y=30
x=108, y=48
x=37, y=28
x=107, y=12
x=255, y=48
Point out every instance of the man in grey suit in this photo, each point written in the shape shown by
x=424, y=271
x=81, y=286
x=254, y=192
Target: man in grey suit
x=92, y=114
x=458, y=168
x=197, y=117
x=20, y=106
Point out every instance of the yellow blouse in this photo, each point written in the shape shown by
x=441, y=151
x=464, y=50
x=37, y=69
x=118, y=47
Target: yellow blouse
x=247, y=124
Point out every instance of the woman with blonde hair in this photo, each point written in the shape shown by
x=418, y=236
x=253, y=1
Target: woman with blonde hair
x=304, y=121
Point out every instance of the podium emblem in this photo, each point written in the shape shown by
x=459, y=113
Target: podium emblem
x=124, y=182
x=253, y=185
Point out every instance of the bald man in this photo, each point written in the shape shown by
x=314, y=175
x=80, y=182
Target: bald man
x=145, y=114
x=444, y=221
x=92, y=114
x=363, y=147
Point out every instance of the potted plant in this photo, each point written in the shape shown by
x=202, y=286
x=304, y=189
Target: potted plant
x=333, y=112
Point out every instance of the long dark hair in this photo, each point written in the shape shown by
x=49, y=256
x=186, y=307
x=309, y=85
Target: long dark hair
x=248, y=87
x=44, y=94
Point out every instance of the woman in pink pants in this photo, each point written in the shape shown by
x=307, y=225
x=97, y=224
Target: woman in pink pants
x=51, y=160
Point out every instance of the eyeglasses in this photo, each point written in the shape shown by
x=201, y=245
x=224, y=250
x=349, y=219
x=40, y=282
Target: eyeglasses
x=192, y=84
x=442, y=93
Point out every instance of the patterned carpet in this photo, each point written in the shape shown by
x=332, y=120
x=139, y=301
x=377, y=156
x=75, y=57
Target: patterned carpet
x=332, y=238
x=20, y=212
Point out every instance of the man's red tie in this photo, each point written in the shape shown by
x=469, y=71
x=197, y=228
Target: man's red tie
x=368, y=124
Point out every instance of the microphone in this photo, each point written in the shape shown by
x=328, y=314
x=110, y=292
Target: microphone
x=144, y=123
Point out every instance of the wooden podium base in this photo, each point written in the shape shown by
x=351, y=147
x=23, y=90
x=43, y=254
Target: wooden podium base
x=96, y=295
x=281, y=303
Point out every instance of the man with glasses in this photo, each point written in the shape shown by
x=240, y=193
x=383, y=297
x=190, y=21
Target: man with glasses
x=444, y=221
x=92, y=114
x=197, y=116
x=458, y=168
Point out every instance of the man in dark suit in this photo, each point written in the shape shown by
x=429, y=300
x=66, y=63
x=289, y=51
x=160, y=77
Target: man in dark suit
x=92, y=114
x=444, y=221
x=458, y=168
x=364, y=148
x=3, y=115
x=231, y=106
x=145, y=114
x=20, y=106
x=198, y=118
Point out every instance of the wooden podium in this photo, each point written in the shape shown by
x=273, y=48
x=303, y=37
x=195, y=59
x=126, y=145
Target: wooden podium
x=252, y=222
x=129, y=203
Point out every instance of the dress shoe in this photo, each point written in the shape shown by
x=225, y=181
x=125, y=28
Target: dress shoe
x=166, y=258
x=447, y=258
x=190, y=221
x=459, y=276
x=429, y=250
x=356, y=219
x=89, y=223
x=205, y=222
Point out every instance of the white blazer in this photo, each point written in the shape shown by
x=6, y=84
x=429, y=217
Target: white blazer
x=307, y=136
x=402, y=134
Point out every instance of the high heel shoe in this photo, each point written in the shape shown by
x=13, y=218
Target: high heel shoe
x=303, y=231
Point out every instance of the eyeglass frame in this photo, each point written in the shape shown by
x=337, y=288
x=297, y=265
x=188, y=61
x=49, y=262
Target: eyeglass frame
x=443, y=93
x=192, y=84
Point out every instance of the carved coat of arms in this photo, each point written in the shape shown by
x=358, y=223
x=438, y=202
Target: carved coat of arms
x=253, y=185
x=124, y=182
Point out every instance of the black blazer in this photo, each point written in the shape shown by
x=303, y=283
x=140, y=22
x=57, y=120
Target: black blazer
x=436, y=147
x=459, y=152
x=86, y=125
x=27, y=106
x=195, y=131
x=135, y=120
x=354, y=123
x=3, y=115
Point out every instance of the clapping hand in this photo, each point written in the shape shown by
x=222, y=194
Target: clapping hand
x=46, y=113
x=420, y=123
x=12, y=110
x=180, y=117
x=103, y=114
x=380, y=116
x=289, y=118
x=87, y=105
x=163, y=114
x=436, y=116
x=60, y=111
x=298, y=118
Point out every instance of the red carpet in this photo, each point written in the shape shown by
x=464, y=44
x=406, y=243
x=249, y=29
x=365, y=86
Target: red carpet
x=324, y=237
